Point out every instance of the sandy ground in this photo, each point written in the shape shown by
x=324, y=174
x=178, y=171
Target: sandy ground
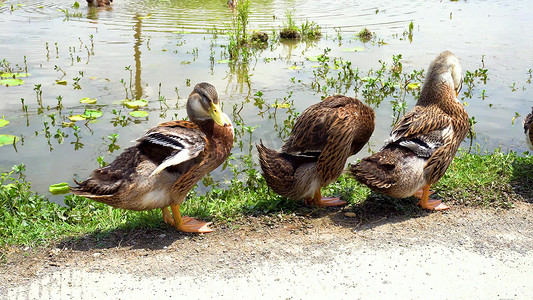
x=465, y=253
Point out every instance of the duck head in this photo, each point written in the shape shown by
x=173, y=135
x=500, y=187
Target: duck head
x=203, y=104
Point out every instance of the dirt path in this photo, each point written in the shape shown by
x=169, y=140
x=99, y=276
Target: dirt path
x=465, y=253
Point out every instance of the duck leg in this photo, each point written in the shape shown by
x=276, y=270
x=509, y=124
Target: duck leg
x=188, y=224
x=420, y=192
x=427, y=203
x=320, y=201
x=167, y=217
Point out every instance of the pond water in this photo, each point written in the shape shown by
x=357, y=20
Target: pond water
x=158, y=50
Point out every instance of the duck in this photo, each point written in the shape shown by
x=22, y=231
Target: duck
x=528, y=129
x=423, y=143
x=99, y=3
x=324, y=136
x=232, y=4
x=166, y=162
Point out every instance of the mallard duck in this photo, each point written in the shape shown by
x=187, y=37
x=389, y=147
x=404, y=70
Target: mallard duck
x=528, y=129
x=99, y=3
x=232, y=3
x=423, y=143
x=322, y=139
x=166, y=162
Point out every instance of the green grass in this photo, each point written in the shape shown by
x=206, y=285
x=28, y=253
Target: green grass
x=489, y=180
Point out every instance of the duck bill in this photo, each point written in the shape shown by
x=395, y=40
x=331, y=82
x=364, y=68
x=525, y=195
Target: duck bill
x=217, y=115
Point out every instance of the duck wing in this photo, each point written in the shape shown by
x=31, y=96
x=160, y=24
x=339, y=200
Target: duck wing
x=423, y=131
x=310, y=132
x=172, y=143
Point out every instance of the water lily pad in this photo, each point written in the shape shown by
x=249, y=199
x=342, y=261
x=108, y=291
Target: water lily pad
x=139, y=114
x=135, y=104
x=92, y=114
x=295, y=68
x=355, y=49
x=3, y=122
x=148, y=16
x=414, y=85
x=314, y=58
x=76, y=118
x=281, y=105
x=59, y=188
x=14, y=75
x=223, y=61
x=8, y=139
x=12, y=82
x=61, y=82
x=88, y=100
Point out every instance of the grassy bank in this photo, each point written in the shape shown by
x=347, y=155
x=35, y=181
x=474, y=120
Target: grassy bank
x=491, y=180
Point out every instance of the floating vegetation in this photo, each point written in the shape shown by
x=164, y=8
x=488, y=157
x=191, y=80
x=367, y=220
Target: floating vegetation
x=61, y=82
x=89, y=114
x=12, y=82
x=8, y=139
x=354, y=49
x=315, y=58
x=414, y=85
x=139, y=114
x=59, y=188
x=134, y=104
x=88, y=100
x=75, y=118
x=14, y=75
x=148, y=16
x=3, y=122
x=92, y=114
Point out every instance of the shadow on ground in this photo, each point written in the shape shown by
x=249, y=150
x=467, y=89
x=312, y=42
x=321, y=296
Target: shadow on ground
x=522, y=180
x=152, y=238
x=377, y=210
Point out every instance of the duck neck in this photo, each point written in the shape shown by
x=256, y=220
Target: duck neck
x=207, y=126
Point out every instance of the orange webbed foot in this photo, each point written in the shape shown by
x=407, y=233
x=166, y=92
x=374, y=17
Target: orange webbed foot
x=430, y=204
x=320, y=201
x=189, y=224
x=434, y=205
x=330, y=201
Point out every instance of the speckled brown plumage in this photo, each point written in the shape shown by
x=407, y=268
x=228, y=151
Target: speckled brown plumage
x=166, y=162
x=528, y=129
x=322, y=139
x=423, y=143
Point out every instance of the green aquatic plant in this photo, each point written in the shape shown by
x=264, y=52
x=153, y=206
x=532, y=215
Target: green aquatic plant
x=289, y=30
x=310, y=30
x=365, y=35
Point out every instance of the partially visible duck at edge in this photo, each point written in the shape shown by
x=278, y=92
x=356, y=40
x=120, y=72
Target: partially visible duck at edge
x=528, y=129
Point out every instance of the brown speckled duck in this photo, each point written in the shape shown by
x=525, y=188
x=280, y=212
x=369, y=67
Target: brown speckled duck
x=423, y=143
x=322, y=139
x=166, y=162
x=528, y=129
x=99, y=3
